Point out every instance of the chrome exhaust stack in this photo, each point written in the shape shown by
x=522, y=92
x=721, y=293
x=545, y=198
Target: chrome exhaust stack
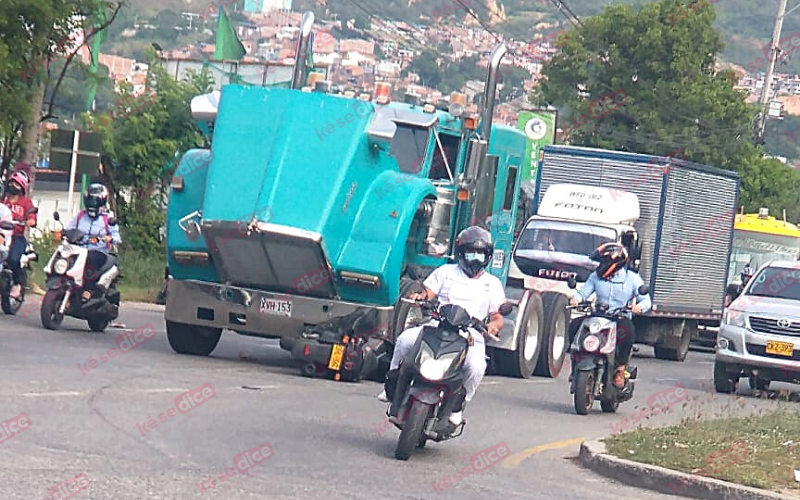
x=302, y=50
x=490, y=90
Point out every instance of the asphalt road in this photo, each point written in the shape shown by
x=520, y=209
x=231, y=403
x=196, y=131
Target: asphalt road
x=326, y=437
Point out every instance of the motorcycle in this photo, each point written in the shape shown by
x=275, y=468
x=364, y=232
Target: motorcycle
x=430, y=383
x=9, y=304
x=592, y=355
x=66, y=281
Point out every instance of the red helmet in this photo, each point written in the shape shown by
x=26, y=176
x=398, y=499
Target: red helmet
x=611, y=258
x=19, y=178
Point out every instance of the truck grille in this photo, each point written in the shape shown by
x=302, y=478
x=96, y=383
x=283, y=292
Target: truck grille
x=770, y=326
x=760, y=350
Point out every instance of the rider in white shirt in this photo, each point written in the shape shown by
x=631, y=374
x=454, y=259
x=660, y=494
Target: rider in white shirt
x=465, y=284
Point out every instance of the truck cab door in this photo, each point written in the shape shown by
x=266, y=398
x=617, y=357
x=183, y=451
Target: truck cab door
x=502, y=222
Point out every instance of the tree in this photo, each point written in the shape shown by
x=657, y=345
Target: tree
x=643, y=80
x=426, y=66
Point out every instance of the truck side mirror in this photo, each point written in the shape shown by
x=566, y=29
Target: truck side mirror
x=644, y=290
x=506, y=309
x=572, y=282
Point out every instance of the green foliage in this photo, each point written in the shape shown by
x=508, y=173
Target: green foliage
x=674, y=98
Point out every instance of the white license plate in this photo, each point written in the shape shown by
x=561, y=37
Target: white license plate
x=276, y=307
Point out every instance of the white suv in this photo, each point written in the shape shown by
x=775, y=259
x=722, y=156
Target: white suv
x=760, y=332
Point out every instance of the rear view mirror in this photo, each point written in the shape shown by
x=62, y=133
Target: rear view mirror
x=644, y=290
x=572, y=282
x=56, y=216
x=506, y=309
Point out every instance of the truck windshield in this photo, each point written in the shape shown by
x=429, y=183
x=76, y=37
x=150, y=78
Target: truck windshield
x=408, y=147
x=759, y=248
x=778, y=282
x=564, y=237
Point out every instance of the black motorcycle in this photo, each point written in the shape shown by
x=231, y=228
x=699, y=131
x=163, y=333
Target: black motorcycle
x=592, y=355
x=9, y=304
x=67, y=279
x=430, y=383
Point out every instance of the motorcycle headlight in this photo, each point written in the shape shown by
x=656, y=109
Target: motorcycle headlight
x=591, y=343
x=734, y=318
x=595, y=327
x=60, y=267
x=434, y=369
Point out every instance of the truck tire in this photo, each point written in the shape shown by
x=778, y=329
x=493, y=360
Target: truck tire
x=522, y=360
x=686, y=329
x=554, y=335
x=192, y=339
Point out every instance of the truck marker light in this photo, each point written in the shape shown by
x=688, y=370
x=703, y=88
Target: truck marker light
x=463, y=195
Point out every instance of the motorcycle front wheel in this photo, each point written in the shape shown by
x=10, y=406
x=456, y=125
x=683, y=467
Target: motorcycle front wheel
x=413, y=425
x=584, y=391
x=51, y=318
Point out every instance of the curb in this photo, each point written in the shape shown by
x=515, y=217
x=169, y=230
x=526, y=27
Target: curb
x=652, y=477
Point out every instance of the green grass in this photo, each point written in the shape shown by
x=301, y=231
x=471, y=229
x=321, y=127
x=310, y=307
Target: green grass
x=771, y=441
x=142, y=275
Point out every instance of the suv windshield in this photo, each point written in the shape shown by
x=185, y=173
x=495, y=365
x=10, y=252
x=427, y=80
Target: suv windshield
x=564, y=237
x=778, y=282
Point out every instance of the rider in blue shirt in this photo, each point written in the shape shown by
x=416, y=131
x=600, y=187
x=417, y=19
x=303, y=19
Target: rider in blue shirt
x=615, y=286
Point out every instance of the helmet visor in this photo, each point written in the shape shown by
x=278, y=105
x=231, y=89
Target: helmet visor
x=475, y=256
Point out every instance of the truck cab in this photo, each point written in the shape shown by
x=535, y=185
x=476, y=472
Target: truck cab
x=571, y=222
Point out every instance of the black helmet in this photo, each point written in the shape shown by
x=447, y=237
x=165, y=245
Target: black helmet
x=611, y=257
x=474, y=249
x=95, y=198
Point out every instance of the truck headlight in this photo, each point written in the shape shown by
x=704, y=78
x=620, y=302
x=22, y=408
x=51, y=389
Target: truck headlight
x=734, y=318
x=591, y=343
x=60, y=267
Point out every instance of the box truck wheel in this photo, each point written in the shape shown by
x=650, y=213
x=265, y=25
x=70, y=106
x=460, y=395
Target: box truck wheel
x=676, y=345
x=192, y=339
x=521, y=361
x=554, y=335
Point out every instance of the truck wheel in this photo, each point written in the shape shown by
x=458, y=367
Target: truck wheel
x=192, y=339
x=723, y=382
x=521, y=361
x=686, y=329
x=554, y=337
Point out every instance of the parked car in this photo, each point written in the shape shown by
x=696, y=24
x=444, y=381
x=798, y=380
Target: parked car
x=759, y=336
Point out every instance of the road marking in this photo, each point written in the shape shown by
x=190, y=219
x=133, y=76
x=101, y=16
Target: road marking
x=55, y=394
x=517, y=458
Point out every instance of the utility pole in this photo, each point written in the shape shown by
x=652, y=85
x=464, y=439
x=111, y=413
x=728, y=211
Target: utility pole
x=773, y=56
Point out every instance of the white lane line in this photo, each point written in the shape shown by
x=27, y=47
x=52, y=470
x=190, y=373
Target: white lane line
x=53, y=394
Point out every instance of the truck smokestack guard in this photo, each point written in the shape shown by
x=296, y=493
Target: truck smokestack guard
x=302, y=49
x=489, y=91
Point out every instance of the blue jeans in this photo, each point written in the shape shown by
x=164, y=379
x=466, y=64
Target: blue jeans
x=15, y=251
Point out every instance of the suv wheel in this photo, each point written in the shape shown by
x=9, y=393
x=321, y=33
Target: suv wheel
x=723, y=381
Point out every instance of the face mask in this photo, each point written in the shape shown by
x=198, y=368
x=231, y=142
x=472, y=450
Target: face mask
x=475, y=256
x=14, y=190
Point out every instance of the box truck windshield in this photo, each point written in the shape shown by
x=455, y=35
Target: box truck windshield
x=564, y=237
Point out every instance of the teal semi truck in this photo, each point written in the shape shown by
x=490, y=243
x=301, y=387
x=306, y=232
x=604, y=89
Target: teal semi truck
x=314, y=211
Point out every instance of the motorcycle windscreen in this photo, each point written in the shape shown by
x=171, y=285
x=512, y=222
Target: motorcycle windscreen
x=270, y=257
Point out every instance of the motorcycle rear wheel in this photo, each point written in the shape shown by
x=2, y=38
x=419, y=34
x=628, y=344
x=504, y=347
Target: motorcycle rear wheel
x=584, y=392
x=51, y=318
x=12, y=306
x=413, y=425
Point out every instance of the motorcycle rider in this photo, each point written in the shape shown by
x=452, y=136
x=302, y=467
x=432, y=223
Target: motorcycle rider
x=93, y=222
x=615, y=286
x=5, y=235
x=735, y=290
x=23, y=211
x=465, y=284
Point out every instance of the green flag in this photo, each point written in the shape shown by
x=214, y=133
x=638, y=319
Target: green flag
x=229, y=47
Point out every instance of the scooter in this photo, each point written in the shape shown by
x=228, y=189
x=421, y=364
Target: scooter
x=592, y=355
x=66, y=281
x=430, y=383
x=9, y=304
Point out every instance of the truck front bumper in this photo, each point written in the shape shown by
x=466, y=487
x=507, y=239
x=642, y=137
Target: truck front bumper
x=255, y=312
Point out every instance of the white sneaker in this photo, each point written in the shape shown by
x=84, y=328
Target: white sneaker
x=456, y=418
x=382, y=397
x=15, y=291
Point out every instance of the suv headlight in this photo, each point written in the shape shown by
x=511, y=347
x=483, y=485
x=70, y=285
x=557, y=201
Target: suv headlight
x=434, y=369
x=734, y=318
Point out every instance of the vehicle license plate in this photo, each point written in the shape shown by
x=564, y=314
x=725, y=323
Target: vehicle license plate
x=336, y=357
x=276, y=307
x=780, y=348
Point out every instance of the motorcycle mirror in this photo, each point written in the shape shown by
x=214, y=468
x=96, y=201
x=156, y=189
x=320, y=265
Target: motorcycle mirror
x=112, y=221
x=56, y=216
x=412, y=273
x=33, y=211
x=6, y=225
x=506, y=309
x=644, y=290
x=572, y=282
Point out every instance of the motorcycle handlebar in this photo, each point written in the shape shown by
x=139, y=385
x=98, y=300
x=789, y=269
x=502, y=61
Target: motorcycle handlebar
x=477, y=324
